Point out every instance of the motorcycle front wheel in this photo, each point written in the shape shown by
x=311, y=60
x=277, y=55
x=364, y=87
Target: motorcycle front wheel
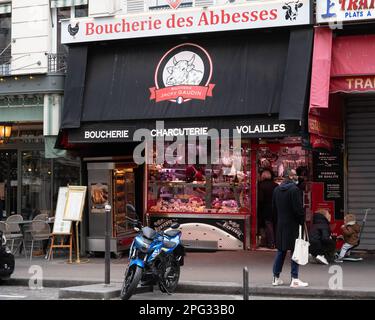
x=132, y=278
x=171, y=277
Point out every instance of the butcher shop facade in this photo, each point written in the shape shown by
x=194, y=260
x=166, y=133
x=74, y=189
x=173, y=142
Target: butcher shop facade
x=182, y=126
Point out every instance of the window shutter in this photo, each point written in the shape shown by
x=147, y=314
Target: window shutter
x=67, y=3
x=204, y=3
x=134, y=6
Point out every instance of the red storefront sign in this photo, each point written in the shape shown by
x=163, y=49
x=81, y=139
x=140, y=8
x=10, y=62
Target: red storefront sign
x=352, y=84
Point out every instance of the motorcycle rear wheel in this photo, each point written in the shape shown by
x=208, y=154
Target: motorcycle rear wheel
x=132, y=278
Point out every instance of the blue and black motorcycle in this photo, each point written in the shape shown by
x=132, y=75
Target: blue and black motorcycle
x=155, y=258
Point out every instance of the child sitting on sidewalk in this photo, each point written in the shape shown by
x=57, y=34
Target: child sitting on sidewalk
x=350, y=231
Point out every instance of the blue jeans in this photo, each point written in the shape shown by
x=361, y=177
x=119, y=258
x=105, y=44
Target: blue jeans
x=279, y=262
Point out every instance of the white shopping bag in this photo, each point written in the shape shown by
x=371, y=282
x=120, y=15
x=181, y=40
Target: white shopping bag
x=301, y=249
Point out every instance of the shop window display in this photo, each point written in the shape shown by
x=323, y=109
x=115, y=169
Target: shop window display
x=201, y=188
x=278, y=158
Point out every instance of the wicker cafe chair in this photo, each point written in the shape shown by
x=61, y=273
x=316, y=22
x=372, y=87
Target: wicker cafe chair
x=41, y=217
x=40, y=231
x=15, y=232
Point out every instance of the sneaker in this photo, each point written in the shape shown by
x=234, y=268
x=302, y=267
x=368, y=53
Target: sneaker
x=322, y=259
x=296, y=283
x=312, y=259
x=339, y=260
x=277, y=281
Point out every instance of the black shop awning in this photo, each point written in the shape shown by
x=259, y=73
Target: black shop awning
x=243, y=74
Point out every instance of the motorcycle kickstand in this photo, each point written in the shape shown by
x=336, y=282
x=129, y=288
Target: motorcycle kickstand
x=166, y=290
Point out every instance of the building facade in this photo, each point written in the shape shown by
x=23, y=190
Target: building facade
x=342, y=109
x=32, y=75
x=176, y=74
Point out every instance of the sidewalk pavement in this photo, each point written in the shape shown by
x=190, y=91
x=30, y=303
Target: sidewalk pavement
x=217, y=272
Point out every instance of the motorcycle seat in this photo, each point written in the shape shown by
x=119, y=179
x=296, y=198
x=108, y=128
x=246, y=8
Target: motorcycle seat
x=172, y=233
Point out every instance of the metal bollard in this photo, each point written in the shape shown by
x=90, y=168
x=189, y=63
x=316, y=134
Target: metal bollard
x=107, y=268
x=245, y=283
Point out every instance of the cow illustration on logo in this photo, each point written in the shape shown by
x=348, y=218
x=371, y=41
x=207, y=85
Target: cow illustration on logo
x=292, y=10
x=183, y=73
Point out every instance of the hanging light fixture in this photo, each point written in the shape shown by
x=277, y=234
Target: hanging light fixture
x=5, y=131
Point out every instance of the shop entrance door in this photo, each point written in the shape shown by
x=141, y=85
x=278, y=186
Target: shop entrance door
x=112, y=183
x=273, y=159
x=8, y=183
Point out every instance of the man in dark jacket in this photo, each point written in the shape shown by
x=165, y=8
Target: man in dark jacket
x=287, y=202
x=322, y=246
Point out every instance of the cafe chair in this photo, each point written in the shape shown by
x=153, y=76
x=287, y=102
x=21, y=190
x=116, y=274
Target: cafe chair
x=15, y=232
x=41, y=217
x=40, y=231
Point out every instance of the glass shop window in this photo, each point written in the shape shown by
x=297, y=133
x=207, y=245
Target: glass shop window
x=212, y=186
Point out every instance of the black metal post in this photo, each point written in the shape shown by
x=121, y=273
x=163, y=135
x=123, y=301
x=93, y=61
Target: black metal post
x=107, y=278
x=245, y=283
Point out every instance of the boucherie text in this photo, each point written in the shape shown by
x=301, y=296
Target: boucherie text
x=205, y=19
x=249, y=15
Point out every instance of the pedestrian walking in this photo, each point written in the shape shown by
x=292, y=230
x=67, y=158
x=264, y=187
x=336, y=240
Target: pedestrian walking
x=265, y=191
x=288, y=206
x=322, y=245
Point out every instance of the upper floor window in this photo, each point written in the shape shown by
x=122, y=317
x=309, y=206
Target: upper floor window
x=5, y=32
x=5, y=43
x=81, y=11
x=62, y=13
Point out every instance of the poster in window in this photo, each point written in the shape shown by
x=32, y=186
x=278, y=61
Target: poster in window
x=99, y=197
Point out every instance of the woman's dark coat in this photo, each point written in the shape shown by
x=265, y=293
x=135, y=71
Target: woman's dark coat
x=288, y=205
x=320, y=231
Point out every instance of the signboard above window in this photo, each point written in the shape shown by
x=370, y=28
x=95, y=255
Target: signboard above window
x=249, y=15
x=338, y=11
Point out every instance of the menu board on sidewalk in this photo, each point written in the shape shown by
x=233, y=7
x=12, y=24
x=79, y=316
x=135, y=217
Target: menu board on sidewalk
x=328, y=169
x=75, y=203
x=61, y=226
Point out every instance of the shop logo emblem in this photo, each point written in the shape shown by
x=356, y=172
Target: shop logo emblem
x=292, y=10
x=329, y=14
x=73, y=30
x=183, y=73
x=174, y=4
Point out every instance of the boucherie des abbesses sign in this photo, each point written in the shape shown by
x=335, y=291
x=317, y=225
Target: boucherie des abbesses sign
x=252, y=15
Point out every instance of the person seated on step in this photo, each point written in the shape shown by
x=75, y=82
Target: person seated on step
x=322, y=246
x=350, y=231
